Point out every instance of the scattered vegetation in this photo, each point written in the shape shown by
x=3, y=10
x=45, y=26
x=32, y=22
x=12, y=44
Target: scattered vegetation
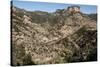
x=49, y=38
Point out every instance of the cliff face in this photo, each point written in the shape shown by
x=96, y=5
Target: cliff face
x=47, y=38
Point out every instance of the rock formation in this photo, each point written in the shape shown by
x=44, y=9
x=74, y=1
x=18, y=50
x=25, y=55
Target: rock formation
x=73, y=9
x=48, y=38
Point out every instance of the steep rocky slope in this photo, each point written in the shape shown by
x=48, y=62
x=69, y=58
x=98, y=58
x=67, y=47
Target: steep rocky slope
x=47, y=38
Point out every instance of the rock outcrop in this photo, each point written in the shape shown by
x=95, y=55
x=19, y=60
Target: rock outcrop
x=47, y=38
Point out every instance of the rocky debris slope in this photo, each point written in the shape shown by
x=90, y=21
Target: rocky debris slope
x=47, y=38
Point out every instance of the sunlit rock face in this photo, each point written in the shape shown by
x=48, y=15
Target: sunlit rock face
x=73, y=9
x=64, y=36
